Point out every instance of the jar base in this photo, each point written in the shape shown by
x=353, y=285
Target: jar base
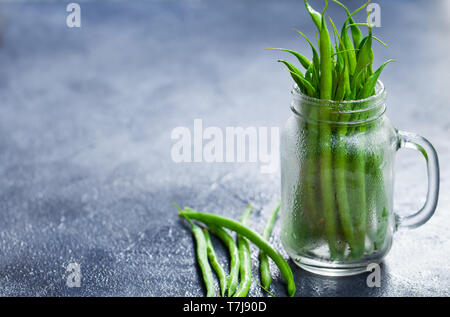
x=336, y=269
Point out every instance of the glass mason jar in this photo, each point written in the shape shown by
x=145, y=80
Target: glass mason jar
x=337, y=175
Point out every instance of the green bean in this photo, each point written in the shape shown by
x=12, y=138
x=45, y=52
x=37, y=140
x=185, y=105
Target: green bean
x=302, y=59
x=309, y=73
x=316, y=16
x=365, y=57
x=202, y=258
x=302, y=82
x=379, y=41
x=245, y=268
x=298, y=77
x=381, y=202
x=326, y=172
x=361, y=165
x=326, y=65
x=245, y=259
x=371, y=82
x=357, y=183
x=341, y=68
x=309, y=193
x=383, y=220
x=363, y=41
x=376, y=199
x=264, y=266
x=335, y=81
x=354, y=89
x=351, y=54
x=340, y=162
x=340, y=168
x=356, y=32
x=271, y=222
x=264, y=289
x=252, y=236
x=234, y=257
x=315, y=63
x=215, y=263
x=351, y=51
x=340, y=151
x=364, y=65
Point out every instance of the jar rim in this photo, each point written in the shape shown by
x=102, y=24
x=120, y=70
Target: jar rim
x=357, y=111
x=380, y=93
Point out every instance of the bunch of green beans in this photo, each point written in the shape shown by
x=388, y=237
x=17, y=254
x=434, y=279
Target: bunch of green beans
x=335, y=193
x=240, y=257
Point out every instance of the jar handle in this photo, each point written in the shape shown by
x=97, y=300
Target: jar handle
x=419, y=143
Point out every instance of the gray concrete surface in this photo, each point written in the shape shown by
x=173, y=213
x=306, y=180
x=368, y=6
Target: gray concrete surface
x=86, y=116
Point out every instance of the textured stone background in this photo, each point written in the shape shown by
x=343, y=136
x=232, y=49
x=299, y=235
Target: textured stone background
x=85, y=120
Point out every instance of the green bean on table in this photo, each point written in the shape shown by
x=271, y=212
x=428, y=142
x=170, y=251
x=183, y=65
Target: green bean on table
x=264, y=266
x=252, y=236
x=244, y=258
x=233, y=277
x=202, y=258
x=215, y=263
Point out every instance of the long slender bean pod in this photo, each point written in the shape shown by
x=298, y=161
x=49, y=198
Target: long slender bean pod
x=264, y=266
x=316, y=16
x=364, y=64
x=326, y=170
x=245, y=259
x=252, y=236
x=297, y=76
x=215, y=263
x=340, y=161
x=376, y=200
x=302, y=59
x=326, y=64
x=315, y=63
x=202, y=259
x=233, y=277
x=202, y=256
x=382, y=217
x=311, y=190
x=356, y=32
x=340, y=168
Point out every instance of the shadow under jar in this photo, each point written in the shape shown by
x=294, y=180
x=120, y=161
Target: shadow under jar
x=337, y=182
